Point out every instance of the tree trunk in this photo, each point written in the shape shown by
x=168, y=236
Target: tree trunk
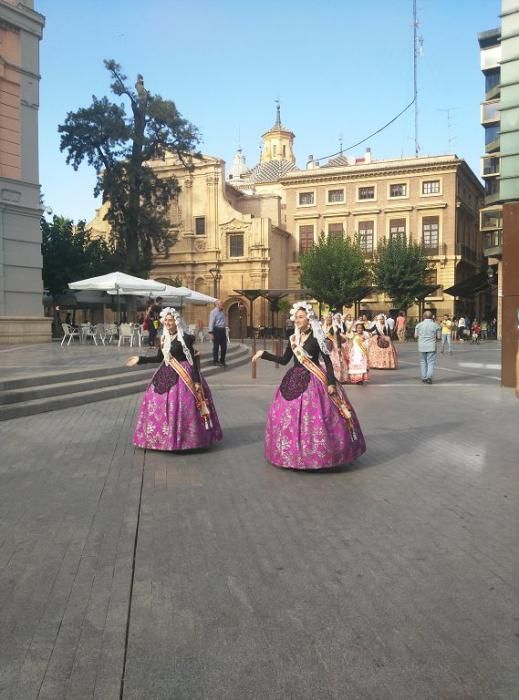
x=134, y=183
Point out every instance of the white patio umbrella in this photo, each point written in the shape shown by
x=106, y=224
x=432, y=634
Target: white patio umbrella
x=184, y=294
x=118, y=283
x=166, y=292
x=199, y=298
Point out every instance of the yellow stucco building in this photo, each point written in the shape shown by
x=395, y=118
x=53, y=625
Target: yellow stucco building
x=247, y=230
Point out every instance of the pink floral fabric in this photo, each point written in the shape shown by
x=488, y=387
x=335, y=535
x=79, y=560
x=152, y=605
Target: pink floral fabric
x=169, y=419
x=309, y=433
x=382, y=358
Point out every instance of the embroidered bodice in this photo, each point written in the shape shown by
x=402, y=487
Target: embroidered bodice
x=377, y=330
x=177, y=352
x=311, y=346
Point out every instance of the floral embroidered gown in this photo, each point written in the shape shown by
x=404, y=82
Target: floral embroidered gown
x=338, y=354
x=305, y=429
x=381, y=350
x=168, y=417
x=358, y=367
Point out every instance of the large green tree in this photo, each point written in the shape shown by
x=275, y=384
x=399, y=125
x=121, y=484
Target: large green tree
x=70, y=253
x=334, y=269
x=399, y=269
x=120, y=147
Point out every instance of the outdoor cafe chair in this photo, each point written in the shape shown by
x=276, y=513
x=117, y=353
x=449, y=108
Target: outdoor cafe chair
x=126, y=332
x=69, y=332
x=101, y=332
x=111, y=331
x=142, y=335
x=88, y=331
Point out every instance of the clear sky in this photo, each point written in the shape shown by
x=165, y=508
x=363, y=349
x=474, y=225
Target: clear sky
x=338, y=67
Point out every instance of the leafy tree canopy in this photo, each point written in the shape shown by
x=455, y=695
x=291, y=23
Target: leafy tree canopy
x=120, y=148
x=334, y=269
x=399, y=269
x=70, y=253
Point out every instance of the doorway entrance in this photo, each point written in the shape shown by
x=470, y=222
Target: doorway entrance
x=237, y=315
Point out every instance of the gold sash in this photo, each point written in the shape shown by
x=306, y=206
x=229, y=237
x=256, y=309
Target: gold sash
x=337, y=398
x=200, y=400
x=360, y=343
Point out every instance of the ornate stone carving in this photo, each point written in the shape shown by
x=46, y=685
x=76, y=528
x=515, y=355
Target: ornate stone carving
x=200, y=245
x=235, y=225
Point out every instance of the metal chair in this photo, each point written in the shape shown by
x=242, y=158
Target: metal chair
x=69, y=332
x=111, y=331
x=126, y=333
x=142, y=335
x=88, y=331
x=101, y=332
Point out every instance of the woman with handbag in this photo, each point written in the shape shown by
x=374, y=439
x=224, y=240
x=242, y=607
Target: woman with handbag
x=381, y=351
x=310, y=424
x=177, y=411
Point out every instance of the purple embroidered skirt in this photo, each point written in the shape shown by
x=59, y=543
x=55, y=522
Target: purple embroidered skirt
x=168, y=418
x=304, y=428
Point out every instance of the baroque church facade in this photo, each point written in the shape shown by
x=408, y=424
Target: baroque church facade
x=246, y=230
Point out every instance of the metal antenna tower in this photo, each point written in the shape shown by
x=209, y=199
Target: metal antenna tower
x=417, y=53
x=450, y=138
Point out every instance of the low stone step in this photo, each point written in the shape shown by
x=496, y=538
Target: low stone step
x=71, y=374
x=89, y=380
x=54, y=403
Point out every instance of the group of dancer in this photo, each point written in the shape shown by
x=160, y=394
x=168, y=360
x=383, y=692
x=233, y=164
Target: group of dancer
x=310, y=424
x=358, y=346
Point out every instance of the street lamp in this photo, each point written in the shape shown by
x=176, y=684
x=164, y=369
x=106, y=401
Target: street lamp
x=217, y=276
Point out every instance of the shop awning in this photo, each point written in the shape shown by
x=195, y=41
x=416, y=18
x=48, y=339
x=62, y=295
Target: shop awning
x=470, y=286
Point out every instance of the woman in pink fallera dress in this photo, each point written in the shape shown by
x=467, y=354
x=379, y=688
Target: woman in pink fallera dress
x=177, y=411
x=311, y=424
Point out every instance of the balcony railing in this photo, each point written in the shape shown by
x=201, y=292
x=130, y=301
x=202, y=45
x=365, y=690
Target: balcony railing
x=491, y=219
x=490, y=112
x=490, y=58
x=493, y=239
x=490, y=166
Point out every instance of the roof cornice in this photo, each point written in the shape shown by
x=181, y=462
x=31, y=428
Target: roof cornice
x=373, y=170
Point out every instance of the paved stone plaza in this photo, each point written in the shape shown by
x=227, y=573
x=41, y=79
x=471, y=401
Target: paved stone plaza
x=152, y=576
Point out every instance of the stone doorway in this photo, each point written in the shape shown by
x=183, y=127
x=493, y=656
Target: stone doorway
x=237, y=319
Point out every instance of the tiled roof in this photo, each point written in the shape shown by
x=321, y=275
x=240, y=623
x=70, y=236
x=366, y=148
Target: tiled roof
x=338, y=160
x=270, y=171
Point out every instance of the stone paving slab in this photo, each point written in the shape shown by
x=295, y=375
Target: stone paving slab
x=396, y=577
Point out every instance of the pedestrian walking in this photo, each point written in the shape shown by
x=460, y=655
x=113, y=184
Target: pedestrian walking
x=390, y=323
x=218, y=330
x=401, y=327
x=427, y=333
x=446, y=334
x=461, y=329
x=177, y=411
x=475, y=331
x=310, y=424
